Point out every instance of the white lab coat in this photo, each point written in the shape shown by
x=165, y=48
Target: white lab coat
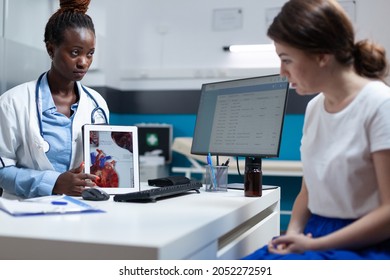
x=21, y=143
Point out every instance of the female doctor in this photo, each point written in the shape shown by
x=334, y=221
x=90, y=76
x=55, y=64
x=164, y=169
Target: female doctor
x=41, y=121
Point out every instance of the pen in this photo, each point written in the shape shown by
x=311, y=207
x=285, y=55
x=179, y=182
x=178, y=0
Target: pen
x=210, y=163
x=226, y=163
x=57, y=202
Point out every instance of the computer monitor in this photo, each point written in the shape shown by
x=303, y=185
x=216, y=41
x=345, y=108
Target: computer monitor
x=242, y=117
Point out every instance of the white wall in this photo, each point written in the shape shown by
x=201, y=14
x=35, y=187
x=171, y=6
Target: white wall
x=2, y=17
x=173, y=44
x=372, y=21
x=23, y=53
x=25, y=22
x=170, y=44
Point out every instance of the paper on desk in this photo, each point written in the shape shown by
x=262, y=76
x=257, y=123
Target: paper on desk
x=44, y=205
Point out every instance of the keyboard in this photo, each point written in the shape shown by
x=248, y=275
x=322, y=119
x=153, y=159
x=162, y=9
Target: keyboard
x=151, y=195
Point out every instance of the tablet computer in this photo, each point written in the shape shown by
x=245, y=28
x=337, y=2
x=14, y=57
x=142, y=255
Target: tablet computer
x=111, y=152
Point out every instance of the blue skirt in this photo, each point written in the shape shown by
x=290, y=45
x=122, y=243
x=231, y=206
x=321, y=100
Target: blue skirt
x=320, y=226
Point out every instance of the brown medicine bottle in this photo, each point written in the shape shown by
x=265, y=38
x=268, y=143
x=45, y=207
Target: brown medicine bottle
x=253, y=177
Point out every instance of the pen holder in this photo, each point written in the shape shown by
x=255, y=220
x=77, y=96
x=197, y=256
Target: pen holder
x=216, y=178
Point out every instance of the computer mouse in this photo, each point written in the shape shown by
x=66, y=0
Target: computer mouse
x=94, y=194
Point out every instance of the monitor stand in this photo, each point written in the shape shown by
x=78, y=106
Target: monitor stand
x=250, y=164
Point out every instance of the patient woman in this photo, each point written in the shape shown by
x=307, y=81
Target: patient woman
x=343, y=208
x=41, y=121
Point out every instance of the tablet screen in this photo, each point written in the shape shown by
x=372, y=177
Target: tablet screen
x=111, y=152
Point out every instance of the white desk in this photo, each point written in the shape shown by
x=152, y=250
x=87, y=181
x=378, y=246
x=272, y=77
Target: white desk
x=194, y=226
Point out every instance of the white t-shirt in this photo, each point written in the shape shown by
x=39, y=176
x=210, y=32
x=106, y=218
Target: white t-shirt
x=336, y=151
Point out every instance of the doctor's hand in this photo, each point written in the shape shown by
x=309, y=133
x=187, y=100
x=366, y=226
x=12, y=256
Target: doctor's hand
x=291, y=243
x=74, y=181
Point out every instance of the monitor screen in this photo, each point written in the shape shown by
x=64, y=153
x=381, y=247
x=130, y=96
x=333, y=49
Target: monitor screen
x=242, y=117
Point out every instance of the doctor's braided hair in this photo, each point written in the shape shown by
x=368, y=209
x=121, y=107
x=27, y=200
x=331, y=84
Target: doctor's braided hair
x=71, y=14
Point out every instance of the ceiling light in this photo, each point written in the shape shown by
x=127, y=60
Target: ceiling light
x=250, y=48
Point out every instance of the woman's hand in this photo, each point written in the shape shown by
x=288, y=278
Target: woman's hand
x=74, y=181
x=290, y=243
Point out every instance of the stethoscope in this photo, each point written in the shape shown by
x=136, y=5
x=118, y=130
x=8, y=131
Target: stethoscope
x=97, y=109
